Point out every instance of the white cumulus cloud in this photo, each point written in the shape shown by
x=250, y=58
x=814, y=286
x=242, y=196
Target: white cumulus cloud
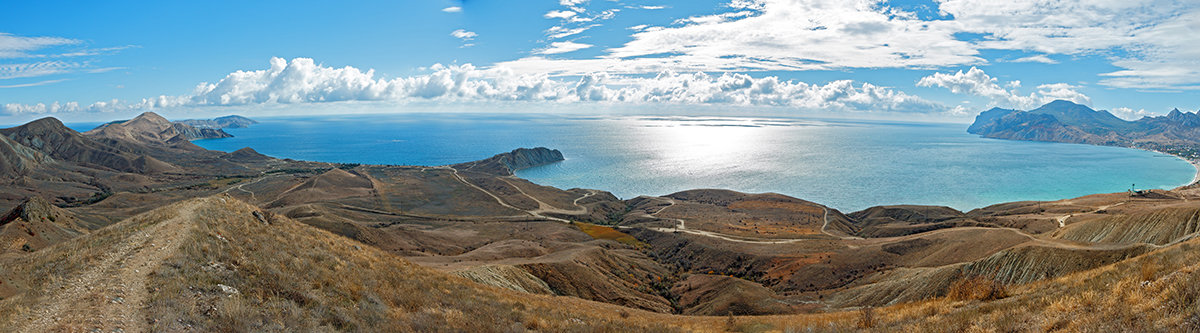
x=977, y=83
x=1130, y=114
x=452, y=9
x=302, y=80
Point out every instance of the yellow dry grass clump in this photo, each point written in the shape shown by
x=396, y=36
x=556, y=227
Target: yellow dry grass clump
x=609, y=233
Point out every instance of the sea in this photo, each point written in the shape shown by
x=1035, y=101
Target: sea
x=845, y=164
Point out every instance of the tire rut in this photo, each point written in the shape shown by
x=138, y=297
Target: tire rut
x=112, y=294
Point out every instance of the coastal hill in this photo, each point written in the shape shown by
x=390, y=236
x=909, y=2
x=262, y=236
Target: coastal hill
x=1062, y=121
x=153, y=128
x=127, y=231
x=231, y=121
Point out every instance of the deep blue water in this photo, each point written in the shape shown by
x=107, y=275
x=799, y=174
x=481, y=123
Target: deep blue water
x=848, y=165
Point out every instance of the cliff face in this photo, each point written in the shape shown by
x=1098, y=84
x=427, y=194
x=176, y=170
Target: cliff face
x=1062, y=121
x=35, y=224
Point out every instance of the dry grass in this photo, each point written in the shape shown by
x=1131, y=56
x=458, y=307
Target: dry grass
x=609, y=233
x=1158, y=291
x=797, y=207
x=293, y=277
x=34, y=276
x=976, y=288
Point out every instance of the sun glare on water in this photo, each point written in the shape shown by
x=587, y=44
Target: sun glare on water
x=706, y=146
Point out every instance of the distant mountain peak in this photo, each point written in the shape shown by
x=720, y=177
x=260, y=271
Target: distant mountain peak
x=1174, y=114
x=1063, y=102
x=149, y=116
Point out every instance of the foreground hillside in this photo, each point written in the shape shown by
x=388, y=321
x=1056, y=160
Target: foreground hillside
x=218, y=264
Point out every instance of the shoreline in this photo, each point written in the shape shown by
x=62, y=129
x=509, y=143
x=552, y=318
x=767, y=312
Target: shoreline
x=1194, y=163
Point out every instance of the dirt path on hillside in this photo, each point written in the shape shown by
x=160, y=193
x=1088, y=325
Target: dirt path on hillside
x=111, y=294
x=544, y=207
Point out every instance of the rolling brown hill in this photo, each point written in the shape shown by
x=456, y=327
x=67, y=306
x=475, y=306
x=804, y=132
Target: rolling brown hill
x=216, y=264
x=50, y=137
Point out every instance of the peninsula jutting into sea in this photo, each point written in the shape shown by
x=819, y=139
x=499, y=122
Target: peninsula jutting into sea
x=600, y=166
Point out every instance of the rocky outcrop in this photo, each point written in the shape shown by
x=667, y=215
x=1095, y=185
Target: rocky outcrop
x=35, y=224
x=507, y=163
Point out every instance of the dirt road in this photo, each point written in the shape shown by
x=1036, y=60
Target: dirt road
x=109, y=296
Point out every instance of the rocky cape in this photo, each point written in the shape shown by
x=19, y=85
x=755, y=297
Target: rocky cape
x=1062, y=121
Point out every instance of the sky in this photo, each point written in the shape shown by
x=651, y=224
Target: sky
x=935, y=60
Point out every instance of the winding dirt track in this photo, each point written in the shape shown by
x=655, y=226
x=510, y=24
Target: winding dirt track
x=110, y=295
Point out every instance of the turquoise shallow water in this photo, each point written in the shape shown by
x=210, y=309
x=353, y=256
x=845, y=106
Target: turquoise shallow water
x=849, y=165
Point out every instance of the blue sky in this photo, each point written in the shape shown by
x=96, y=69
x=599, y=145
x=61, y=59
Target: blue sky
x=941, y=60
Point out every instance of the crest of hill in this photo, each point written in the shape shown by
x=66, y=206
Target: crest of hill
x=505, y=164
x=36, y=224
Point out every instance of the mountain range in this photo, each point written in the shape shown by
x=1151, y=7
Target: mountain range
x=1063, y=121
